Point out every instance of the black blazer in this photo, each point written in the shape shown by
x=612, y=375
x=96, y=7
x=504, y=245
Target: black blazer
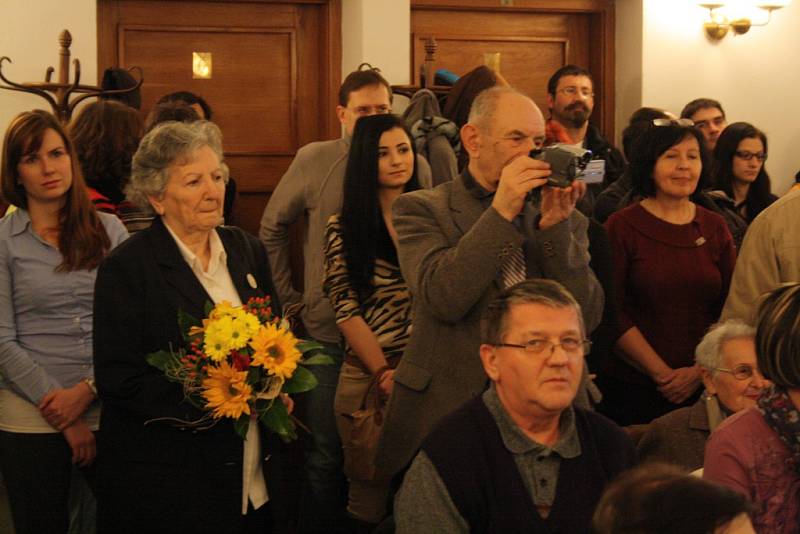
x=140, y=287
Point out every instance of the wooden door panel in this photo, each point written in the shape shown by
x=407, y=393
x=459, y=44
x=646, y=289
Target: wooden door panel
x=526, y=62
x=534, y=40
x=273, y=67
x=245, y=59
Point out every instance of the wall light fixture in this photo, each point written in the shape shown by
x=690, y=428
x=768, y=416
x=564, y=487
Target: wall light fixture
x=736, y=20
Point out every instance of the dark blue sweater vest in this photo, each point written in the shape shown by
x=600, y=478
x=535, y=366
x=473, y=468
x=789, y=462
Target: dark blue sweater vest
x=485, y=484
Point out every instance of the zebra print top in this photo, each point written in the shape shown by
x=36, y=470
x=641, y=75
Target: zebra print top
x=387, y=310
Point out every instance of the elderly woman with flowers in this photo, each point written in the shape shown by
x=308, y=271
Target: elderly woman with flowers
x=166, y=465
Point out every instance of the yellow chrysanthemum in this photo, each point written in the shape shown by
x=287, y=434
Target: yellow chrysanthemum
x=239, y=333
x=223, y=309
x=276, y=349
x=217, y=338
x=226, y=391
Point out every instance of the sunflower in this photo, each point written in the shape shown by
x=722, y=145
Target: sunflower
x=226, y=391
x=276, y=349
x=217, y=338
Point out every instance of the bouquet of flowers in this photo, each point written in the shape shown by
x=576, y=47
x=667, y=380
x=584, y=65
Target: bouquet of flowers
x=239, y=361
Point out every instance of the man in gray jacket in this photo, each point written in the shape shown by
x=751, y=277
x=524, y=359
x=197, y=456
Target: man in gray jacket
x=311, y=190
x=464, y=241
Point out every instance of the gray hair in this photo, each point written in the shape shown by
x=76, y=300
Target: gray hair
x=484, y=107
x=494, y=321
x=164, y=146
x=708, y=353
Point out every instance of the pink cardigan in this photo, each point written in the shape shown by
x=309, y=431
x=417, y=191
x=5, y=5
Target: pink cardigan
x=746, y=455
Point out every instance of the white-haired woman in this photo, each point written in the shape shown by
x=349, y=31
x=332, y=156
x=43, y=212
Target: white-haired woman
x=727, y=360
x=154, y=476
x=757, y=451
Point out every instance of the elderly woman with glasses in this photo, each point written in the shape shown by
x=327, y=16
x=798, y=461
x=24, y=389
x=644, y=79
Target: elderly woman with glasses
x=757, y=451
x=155, y=475
x=727, y=360
x=673, y=262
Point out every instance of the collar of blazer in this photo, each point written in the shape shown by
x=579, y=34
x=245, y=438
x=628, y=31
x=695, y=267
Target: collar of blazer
x=178, y=274
x=465, y=206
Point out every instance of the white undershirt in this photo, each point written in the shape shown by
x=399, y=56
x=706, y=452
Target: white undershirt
x=218, y=284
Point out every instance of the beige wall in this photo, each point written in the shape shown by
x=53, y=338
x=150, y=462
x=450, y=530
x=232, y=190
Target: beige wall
x=376, y=32
x=30, y=38
x=754, y=75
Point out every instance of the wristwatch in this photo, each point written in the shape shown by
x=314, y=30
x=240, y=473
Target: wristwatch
x=89, y=381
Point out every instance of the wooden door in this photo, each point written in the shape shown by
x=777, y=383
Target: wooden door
x=275, y=69
x=533, y=38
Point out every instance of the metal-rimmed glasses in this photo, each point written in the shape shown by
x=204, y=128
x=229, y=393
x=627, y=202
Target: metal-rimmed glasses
x=540, y=346
x=740, y=372
x=573, y=91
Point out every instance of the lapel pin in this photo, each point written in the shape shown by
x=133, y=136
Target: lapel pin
x=251, y=280
x=700, y=241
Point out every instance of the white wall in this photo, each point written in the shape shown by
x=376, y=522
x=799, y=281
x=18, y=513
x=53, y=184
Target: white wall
x=377, y=32
x=29, y=37
x=628, y=59
x=753, y=75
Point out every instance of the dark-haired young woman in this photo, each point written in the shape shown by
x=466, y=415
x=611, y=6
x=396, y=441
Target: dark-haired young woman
x=365, y=286
x=740, y=180
x=50, y=248
x=673, y=262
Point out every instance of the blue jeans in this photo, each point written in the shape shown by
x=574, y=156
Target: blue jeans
x=323, y=509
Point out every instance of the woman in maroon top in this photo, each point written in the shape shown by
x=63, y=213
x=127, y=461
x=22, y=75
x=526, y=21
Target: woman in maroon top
x=672, y=267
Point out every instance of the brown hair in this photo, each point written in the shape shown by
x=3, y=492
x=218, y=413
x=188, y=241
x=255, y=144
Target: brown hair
x=82, y=239
x=105, y=135
x=364, y=76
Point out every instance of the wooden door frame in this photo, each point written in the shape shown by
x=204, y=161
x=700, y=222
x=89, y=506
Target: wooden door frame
x=601, y=29
x=330, y=41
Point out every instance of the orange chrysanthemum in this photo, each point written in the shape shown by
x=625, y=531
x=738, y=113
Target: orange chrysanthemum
x=276, y=349
x=227, y=391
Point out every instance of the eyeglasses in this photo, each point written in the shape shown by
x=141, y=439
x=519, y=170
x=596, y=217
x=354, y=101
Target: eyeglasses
x=363, y=111
x=673, y=122
x=574, y=91
x=740, y=372
x=747, y=156
x=540, y=346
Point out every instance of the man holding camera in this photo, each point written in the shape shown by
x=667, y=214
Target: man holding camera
x=463, y=242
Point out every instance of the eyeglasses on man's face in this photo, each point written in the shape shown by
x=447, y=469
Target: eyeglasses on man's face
x=572, y=91
x=740, y=372
x=747, y=155
x=538, y=347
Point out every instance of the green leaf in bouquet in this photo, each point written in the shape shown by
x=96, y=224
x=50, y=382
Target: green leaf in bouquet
x=241, y=425
x=302, y=380
x=318, y=359
x=163, y=360
x=185, y=323
x=277, y=419
x=208, y=308
x=254, y=375
x=305, y=346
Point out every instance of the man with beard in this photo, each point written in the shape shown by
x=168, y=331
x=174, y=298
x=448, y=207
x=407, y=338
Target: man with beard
x=570, y=98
